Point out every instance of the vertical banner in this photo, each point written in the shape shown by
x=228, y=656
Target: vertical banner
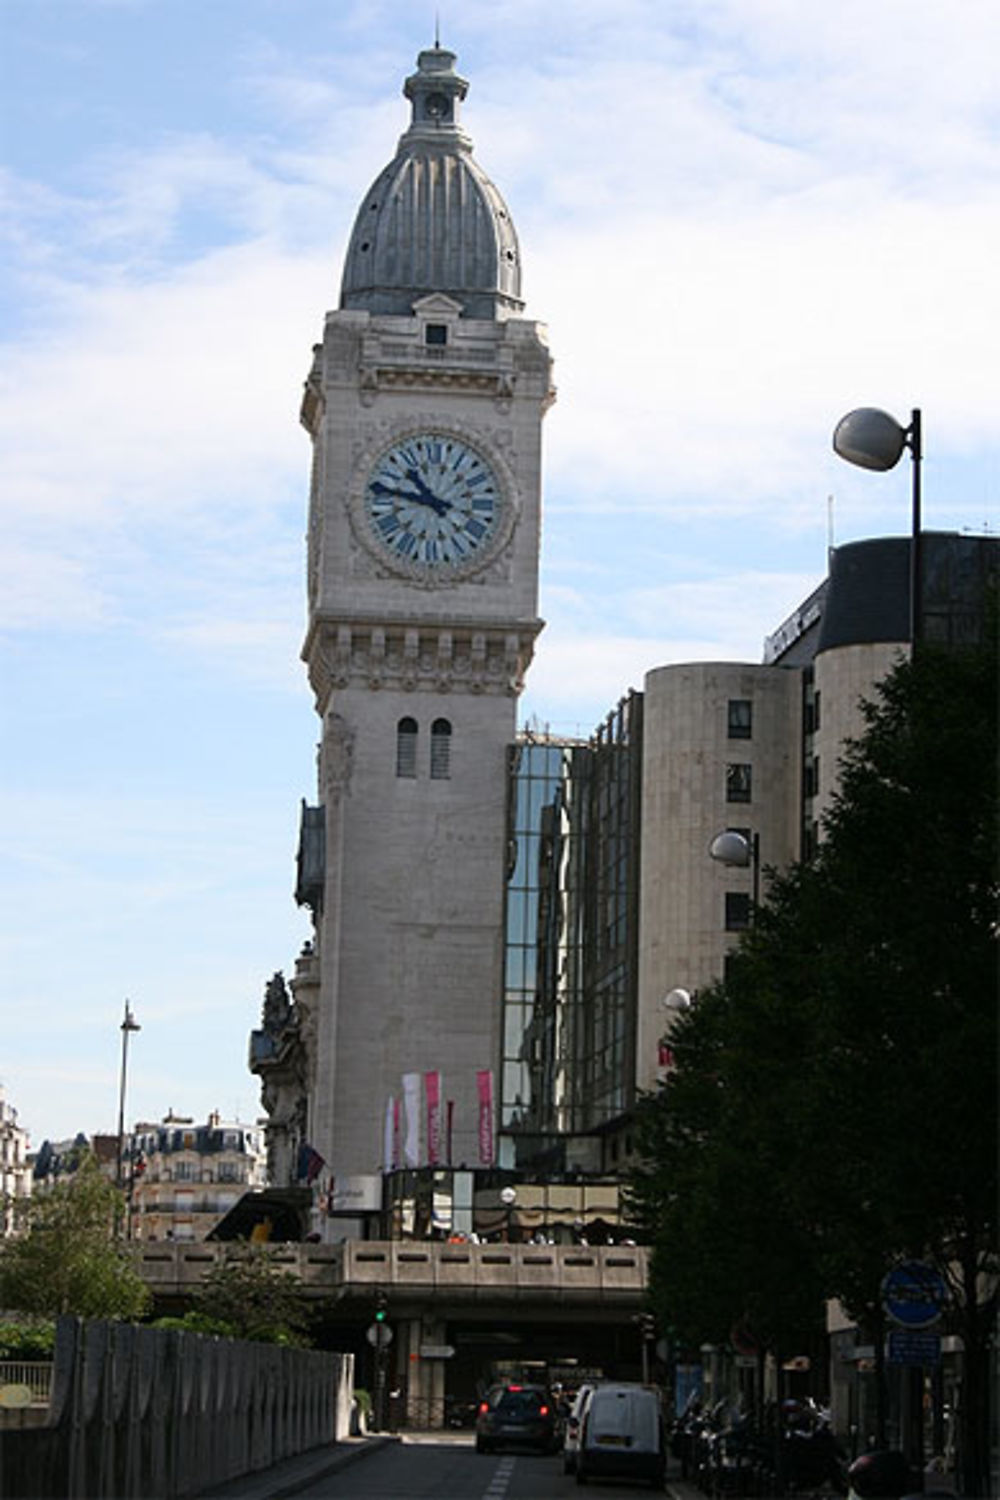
x=389, y=1136
x=484, y=1084
x=395, y=1134
x=432, y=1088
x=450, y=1114
x=411, y=1103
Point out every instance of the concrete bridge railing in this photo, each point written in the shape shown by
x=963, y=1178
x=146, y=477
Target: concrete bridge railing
x=463, y=1272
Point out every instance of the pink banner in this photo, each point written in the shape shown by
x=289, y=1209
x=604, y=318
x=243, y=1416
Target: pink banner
x=484, y=1084
x=411, y=1116
x=432, y=1088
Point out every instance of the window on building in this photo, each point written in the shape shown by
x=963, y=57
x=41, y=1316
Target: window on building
x=810, y=779
x=184, y=1171
x=440, y=750
x=436, y=333
x=739, y=782
x=229, y=1171
x=740, y=726
x=406, y=747
x=737, y=911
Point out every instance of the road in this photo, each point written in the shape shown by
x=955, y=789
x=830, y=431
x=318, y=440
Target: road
x=447, y=1467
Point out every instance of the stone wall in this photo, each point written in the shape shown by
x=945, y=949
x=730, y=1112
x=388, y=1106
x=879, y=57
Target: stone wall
x=144, y=1411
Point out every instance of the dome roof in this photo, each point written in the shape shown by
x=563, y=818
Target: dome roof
x=432, y=221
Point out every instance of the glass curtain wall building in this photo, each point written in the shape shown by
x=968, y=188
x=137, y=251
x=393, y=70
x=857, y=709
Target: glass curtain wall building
x=571, y=942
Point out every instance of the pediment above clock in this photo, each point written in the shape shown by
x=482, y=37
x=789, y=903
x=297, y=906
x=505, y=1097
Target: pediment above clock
x=437, y=305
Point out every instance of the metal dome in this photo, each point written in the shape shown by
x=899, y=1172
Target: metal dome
x=432, y=221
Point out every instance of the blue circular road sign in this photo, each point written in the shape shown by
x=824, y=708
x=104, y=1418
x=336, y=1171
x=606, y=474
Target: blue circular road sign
x=913, y=1294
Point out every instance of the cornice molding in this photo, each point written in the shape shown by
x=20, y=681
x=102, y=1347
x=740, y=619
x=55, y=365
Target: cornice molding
x=399, y=657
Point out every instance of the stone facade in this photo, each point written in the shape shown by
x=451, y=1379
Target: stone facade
x=409, y=934
x=184, y=1177
x=15, y=1172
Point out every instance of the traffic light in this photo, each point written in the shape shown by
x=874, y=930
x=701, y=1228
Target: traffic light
x=381, y=1306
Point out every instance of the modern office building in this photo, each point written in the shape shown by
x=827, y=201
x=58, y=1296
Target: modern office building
x=615, y=904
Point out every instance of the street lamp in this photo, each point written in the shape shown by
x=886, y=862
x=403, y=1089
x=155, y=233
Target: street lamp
x=508, y=1197
x=873, y=439
x=678, y=1000
x=743, y=852
x=128, y=1025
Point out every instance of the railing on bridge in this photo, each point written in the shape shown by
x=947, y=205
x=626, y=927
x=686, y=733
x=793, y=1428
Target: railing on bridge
x=459, y=1271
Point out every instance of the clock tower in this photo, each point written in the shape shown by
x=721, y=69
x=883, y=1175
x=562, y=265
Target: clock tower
x=424, y=404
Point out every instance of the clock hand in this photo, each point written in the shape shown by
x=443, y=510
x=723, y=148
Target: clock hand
x=427, y=496
x=389, y=492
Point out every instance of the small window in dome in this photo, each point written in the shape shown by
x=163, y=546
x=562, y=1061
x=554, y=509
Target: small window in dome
x=436, y=333
x=365, y=245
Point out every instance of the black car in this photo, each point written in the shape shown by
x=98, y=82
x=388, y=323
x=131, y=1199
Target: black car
x=518, y=1416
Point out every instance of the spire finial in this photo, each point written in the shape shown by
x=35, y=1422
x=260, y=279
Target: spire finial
x=437, y=30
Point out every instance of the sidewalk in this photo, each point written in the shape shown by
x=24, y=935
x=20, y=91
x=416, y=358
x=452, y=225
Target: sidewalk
x=678, y=1488
x=293, y=1474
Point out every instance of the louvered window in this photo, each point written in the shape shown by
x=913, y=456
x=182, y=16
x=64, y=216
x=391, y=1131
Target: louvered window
x=406, y=747
x=440, y=750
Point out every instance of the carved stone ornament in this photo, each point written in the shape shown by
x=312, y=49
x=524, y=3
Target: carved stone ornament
x=337, y=754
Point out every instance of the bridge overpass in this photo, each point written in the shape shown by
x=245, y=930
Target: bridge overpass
x=454, y=1310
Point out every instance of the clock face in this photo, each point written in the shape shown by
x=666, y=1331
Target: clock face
x=433, y=504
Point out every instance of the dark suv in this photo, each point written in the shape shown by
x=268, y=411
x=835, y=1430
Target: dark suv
x=518, y=1415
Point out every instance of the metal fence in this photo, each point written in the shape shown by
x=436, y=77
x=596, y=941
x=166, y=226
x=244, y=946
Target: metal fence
x=36, y=1375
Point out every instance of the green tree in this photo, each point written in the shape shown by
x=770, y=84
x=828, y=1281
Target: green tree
x=850, y=1056
x=66, y=1259
x=247, y=1296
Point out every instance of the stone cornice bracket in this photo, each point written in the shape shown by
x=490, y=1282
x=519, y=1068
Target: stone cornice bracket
x=313, y=400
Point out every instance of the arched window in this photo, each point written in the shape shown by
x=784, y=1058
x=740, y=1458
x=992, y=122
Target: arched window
x=406, y=747
x=440, y=750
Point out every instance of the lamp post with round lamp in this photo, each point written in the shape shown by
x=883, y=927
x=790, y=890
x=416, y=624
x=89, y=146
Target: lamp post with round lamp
x=873, y=439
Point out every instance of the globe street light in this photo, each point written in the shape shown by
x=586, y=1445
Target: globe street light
x=508, y=1197
x=873, y=439
x=736, y=849
x=677, y=1000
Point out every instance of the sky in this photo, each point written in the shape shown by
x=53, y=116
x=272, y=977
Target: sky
x=739, y=219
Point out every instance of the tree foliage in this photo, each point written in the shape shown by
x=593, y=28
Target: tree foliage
x=66, y=1259
x=247, y=1296
x=834, y=1105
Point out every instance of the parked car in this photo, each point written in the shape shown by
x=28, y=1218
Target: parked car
x=517, y=1416
x=623, y=1435
x=571, y=1429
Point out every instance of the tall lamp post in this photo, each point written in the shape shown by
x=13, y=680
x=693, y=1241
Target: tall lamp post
x=129, y=1024
x=873, y=439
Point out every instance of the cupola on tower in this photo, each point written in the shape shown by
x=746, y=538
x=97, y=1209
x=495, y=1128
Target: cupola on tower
x=424, y=404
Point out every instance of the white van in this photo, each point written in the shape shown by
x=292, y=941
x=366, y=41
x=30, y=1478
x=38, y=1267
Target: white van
x=623, y=1435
